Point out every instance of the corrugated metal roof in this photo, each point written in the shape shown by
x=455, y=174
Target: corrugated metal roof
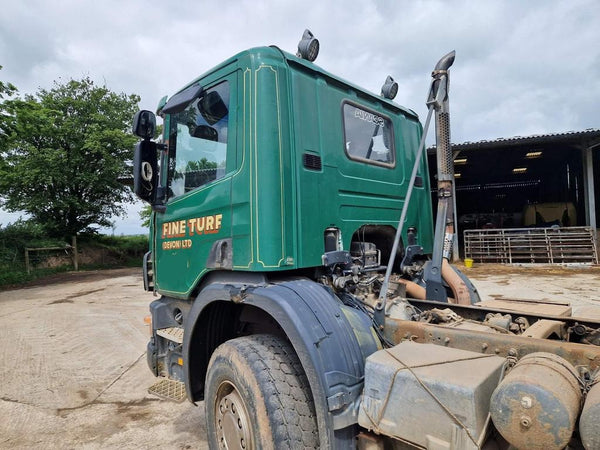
x=588, y=137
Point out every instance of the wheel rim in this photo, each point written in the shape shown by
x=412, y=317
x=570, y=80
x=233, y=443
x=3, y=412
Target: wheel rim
x=231, y=419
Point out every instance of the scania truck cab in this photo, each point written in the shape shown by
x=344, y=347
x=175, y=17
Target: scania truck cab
x=302, y=293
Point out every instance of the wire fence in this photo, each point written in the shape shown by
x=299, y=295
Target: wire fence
x=50, y=257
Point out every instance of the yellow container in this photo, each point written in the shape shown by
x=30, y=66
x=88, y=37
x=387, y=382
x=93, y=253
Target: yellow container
x=468, y=263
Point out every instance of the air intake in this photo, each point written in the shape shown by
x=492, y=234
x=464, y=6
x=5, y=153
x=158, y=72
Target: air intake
x=312, y=162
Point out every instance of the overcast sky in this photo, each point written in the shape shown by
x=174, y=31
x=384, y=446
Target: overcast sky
x=522, y=67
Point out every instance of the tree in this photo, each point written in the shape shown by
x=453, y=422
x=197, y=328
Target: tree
x=66, y=147
x=6, y=89
x=146, y=215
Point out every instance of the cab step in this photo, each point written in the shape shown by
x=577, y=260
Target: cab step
x=174, y=334
x=168, y=389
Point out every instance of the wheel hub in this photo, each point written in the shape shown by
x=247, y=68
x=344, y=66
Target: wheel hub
x=231, y=416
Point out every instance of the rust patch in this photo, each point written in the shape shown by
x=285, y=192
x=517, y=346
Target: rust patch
x=490, y=343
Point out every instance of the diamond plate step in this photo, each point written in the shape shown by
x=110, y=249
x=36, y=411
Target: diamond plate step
x=168, y=389
x=174, y=334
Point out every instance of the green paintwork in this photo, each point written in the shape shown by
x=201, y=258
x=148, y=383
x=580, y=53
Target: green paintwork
x=273, y=208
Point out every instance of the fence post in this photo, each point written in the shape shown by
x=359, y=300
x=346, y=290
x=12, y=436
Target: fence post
x=27, y=260
x=75, y=254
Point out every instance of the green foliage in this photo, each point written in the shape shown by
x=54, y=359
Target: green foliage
x=6, y=89
x=146, y=215
x=132, y=246
x=159, y=131
x=65, y=150
x=14, y=238
x=95, y=252
x=15, y=277
x=203, y=164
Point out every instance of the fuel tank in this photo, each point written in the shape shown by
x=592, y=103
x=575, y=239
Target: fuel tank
x=589, y=423
x=537, y=404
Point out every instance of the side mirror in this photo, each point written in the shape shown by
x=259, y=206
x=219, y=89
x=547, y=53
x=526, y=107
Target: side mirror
x=144, y=124
x=145, y=170
x=212, y=107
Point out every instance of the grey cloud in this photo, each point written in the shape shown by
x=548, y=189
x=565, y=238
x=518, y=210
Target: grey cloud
x=521, y=67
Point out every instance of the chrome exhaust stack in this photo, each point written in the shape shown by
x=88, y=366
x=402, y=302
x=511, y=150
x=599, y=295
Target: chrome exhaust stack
x=444, y=225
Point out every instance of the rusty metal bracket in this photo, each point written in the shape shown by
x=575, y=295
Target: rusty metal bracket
x=544, y=328
x=491, y=343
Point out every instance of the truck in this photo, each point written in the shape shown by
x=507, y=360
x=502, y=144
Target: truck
x=304, y=293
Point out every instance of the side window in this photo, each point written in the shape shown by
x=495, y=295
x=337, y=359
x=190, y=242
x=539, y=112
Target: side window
x=198, y=141
x=368, y=136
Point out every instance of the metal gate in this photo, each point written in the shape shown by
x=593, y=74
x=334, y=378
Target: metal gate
x=532, y=245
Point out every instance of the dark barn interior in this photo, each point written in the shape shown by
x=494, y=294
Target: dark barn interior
x=533, y=181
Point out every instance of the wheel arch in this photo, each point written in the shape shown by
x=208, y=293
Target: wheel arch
x=331, y=340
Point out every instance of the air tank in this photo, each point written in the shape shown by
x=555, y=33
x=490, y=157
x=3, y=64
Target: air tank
x=537, y=404
x=589, y=423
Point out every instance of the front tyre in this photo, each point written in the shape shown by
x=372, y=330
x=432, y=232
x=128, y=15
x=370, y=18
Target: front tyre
x=257, y=397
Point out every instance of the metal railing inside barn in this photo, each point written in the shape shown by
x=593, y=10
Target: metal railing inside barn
x=564, y=245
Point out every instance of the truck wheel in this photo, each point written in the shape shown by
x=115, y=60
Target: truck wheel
x=257, y=396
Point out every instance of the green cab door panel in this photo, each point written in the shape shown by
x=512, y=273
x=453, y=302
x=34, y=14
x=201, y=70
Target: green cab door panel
x=202, y=159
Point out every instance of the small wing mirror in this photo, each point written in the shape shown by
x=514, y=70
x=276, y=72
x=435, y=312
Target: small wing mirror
x=145, y=170
x=144, y=124
x=161, y=104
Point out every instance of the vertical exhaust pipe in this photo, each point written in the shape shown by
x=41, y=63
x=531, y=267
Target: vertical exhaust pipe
x=437, y=101
x=444, y=225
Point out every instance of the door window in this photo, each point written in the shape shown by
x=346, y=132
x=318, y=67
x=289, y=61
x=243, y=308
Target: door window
x=198, y=141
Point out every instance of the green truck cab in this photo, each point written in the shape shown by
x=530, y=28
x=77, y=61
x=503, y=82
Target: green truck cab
x=274, y=156
x=280, y=195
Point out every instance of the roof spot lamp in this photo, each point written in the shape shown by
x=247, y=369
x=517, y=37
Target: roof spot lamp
x=389, y=89
x=308, y=47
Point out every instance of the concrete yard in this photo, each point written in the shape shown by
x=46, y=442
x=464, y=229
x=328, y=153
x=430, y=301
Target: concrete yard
x=73, y=371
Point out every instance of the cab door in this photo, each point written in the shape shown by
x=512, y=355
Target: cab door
x=195, y=229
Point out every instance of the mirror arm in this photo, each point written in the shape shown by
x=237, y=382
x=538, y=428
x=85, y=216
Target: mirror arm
x=159, y=208
x=159, y=202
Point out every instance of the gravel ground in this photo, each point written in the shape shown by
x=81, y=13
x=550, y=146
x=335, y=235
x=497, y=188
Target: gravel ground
x=72, y=357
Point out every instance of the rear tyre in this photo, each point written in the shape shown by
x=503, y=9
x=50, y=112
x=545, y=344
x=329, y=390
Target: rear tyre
x=257, y=396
